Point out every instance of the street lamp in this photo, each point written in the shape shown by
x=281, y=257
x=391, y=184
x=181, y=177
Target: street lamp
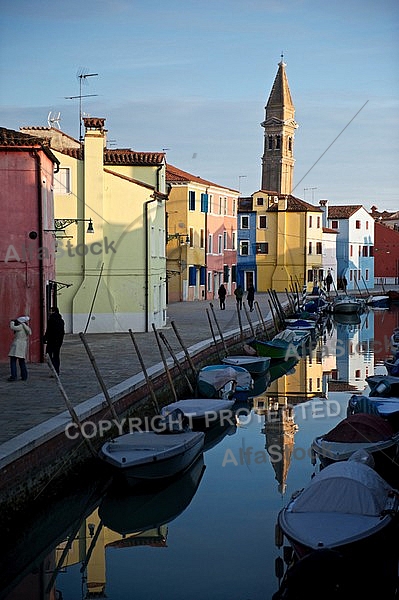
x=60, y=224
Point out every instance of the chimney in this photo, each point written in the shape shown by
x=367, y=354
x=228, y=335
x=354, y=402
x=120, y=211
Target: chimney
x=324, y=208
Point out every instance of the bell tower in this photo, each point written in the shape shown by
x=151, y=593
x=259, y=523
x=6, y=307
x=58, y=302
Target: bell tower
x=279, y=124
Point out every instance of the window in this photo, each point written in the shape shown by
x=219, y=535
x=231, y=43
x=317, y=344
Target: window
x=365, y=250
x=234, y=273
x=209, y=281
x=259, y=201
x=202, y=238
x=202, y=275
x=357, y=224
x=234, y=207
x=225, y=273
x=210, y=243
x=191, y=200
x=371, y=251
x=278, y=142
x=367, y=274
x=220, y=248
x=351, y=275
x=360, y=250
x=310, y=248
x=367, y=224
x=290, y=144
x=334, y=224
x=233, y=240
x=310, y=220
x=262, y=222
x=244, y=222
x=191, y=236
x=351, y=250
x=204, y=203
x=224, y=240
x=262, y=248
x=244, y=247
x=192, y=275
x=310, y=275
x=62, y=181
x=270, y=142
x=220, y=205
x=318, y=248
x=225, y=206
x=318, y=222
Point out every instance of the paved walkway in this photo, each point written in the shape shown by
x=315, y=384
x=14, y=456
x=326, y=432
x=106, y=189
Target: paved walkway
x=26, y=404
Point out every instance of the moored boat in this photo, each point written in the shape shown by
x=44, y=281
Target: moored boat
x=253, y=364
x=212, y=381
x=345, y=507
x=145, y=456
x=203, y=413
x=346, y=304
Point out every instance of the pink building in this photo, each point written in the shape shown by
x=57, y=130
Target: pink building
x=27, y=243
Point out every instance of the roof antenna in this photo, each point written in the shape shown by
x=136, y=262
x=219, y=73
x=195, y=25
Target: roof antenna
x=53, y=119
x=82, y=75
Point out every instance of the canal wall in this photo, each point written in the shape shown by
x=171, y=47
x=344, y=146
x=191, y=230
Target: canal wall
x=32, y=462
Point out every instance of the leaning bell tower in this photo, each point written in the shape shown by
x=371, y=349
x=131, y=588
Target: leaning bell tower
x=279, y=125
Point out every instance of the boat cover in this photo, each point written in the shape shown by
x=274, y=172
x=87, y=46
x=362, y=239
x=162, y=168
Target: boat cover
x=348, y=487
x=360, y=427
x=288, y=335
x=218, y=377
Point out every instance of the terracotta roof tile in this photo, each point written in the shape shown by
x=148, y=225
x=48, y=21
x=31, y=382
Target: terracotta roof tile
x=295, y=205
x=329, y=230
x=173, y=174
x=342, y=212
x=132, y=158
x=9, y=137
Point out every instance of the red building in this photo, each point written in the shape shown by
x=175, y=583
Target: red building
x=386, y=254
x=27, y=243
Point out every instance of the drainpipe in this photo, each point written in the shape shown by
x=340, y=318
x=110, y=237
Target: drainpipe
x=40, y=233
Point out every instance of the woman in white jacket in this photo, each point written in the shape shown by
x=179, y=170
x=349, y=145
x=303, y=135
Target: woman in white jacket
x=19, y=345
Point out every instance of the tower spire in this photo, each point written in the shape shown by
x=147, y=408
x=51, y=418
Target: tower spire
x=279, y=124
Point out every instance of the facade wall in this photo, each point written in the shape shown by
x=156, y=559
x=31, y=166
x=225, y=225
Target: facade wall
x=26, y=248
x=386, y=254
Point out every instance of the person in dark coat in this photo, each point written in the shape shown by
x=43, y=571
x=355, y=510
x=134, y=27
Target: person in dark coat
x=251, y=296
x=239, y=292
x=329, y=281
x=222, y=296
x=54, y=337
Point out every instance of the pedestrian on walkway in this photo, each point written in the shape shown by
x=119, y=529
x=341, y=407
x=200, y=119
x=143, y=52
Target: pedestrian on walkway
x=251, y=296
x=54, y=337
x=344, y=283
x=329, y=281
x=19, y=346
x=239, y=292
x=222, y=296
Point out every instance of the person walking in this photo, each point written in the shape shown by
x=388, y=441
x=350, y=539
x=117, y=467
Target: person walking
x=239, y=292
x=54, y=337
x=329, y=281
x=222, y=296
x=251, y=296
x=19, y=346
x=344, y=283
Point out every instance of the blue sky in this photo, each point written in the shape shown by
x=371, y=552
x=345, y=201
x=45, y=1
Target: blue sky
x=194, y=77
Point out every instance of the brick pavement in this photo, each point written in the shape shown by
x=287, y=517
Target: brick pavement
x=27, y=404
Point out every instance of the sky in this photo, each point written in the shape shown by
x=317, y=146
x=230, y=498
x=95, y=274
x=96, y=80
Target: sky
x=193, y=77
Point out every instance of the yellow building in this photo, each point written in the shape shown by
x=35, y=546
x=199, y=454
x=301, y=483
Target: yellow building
x=110, y=230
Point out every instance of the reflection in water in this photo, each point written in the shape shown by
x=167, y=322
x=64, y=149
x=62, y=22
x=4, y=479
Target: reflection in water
x=64, y=544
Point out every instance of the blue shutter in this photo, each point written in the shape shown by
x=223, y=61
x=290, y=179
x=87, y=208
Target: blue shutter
x=202, y=275
x=204, y=203
x=192, y=276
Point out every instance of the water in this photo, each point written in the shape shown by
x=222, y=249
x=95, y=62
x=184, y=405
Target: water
x=212, y=533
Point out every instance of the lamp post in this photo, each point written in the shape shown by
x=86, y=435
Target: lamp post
x=60, y=224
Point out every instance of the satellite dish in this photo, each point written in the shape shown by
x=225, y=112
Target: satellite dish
x=53, y=119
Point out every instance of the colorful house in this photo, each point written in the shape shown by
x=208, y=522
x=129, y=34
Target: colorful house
x=355, y=245
x=386, y=254
x=201, y=238
x=287, y=247
x=110, y=231
x=27, y=261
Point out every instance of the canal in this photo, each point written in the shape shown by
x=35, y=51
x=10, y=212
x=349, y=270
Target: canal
x=211, y=532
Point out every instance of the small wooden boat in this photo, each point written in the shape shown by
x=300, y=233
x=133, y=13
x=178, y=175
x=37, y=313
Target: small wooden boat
x=216, y=381
x=203, y=413
x=213, y=378
x=383, y=386
x=378, y=301
x=359, y=431
x=145, y=456
x=282, y=346
x=345, y=507
x=347, y=304
x=253, y=364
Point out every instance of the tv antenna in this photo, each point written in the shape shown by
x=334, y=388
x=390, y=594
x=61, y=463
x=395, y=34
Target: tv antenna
x=53, y=119
x=82, y=75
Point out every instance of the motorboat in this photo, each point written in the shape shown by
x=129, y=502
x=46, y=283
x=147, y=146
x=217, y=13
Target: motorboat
x=254, y=364
x=144, y=456
x=346, y=304
x=347, y=318
x=383, y=386
x=359, y=431
x=203, y=413
x=283, y=346
x=347, y=507
x=213, y=378
x=217, y=381
x=127, y=512
x=378, y=301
